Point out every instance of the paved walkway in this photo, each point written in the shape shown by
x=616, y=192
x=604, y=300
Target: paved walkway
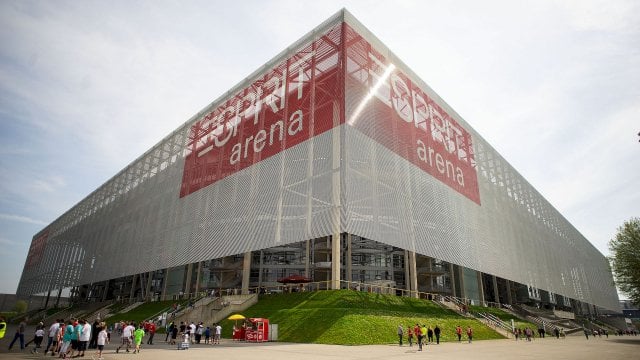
x=574, y=347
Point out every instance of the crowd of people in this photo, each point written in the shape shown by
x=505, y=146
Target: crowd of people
x=528, y=334
x=193, y=333
x=605, y=332
x=425, y=335
x=66, y=339
x=74, y=337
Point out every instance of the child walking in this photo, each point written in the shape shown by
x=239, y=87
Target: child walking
x=137, y=335
x=37, y=339
x=103, y=339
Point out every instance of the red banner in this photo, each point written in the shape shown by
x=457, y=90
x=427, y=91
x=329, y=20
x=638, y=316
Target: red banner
x=303, y=97
x=37, y=248
x=389, y=107
x=295, y=101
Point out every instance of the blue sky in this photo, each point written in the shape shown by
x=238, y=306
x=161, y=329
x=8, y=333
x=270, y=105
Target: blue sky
x=88, y=86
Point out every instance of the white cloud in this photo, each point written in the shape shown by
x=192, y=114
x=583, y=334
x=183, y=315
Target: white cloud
x=8, y=243
x=50, y=184
x=602, y=15
x=20, y=218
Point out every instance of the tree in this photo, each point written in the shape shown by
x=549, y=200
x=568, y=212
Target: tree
x=20, y=306
x=625, y=258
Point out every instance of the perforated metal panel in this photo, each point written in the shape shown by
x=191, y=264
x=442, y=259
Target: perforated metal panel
x=183, y=202
x=389, y=196
x=188, y=199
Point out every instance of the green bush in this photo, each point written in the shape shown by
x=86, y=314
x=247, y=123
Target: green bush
x=20, y=307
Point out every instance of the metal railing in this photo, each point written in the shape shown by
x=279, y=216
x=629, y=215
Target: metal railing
x=495, y=321
x=351, y=285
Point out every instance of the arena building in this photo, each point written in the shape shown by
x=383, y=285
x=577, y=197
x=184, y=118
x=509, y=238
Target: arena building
x=333, y=161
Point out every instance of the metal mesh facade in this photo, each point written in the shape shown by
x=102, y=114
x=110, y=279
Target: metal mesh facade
x=512, y=232
x=317, y=142
x=159, y=212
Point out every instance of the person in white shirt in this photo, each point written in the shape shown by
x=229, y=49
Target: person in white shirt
x=127, y=333
x=216, y=338
x=53, y=335
x=103, y=339
x=37, y=339
x=85, y=336
x=192, y=332
x=199, y=330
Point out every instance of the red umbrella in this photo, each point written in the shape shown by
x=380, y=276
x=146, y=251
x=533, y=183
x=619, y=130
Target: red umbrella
x=295, y=279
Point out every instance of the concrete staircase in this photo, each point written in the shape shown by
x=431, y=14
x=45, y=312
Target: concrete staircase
x=212, y=310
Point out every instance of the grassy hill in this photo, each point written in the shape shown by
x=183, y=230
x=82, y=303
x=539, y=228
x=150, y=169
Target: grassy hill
x=140, y=313
x=354, y=318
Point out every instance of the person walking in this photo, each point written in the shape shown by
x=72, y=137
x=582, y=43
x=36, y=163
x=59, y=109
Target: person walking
x=218, y=334
x=19, y=335
x=53, y=335
x=95, y=329
x=102, y=339
x=169, y=331
x=174, y=335
x=469, y=334
x=416, y=330
x=75, y=329
x=459, y=332
x=436, y=331
x=400, y=334
x=57, y=342
x=423, y=332
x=152, y=332
x=85, y=336
x=410, y=335
x=199, y=330
x=66, y=338
x=192, y=332
x=430, y=335
x=127, y=334
x=138, y=334
x=37, y=339
x=207, y=335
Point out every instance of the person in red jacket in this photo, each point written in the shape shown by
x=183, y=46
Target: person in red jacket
x=151, y=330
x=418, y=333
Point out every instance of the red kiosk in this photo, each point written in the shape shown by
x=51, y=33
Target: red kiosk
x=239, y=333
x=258, y=331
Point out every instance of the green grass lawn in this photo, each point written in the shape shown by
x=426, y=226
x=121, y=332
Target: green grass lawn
x=140, y=313
x=354, y=318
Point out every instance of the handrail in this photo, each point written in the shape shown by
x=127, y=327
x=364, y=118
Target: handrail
x=497, y=321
